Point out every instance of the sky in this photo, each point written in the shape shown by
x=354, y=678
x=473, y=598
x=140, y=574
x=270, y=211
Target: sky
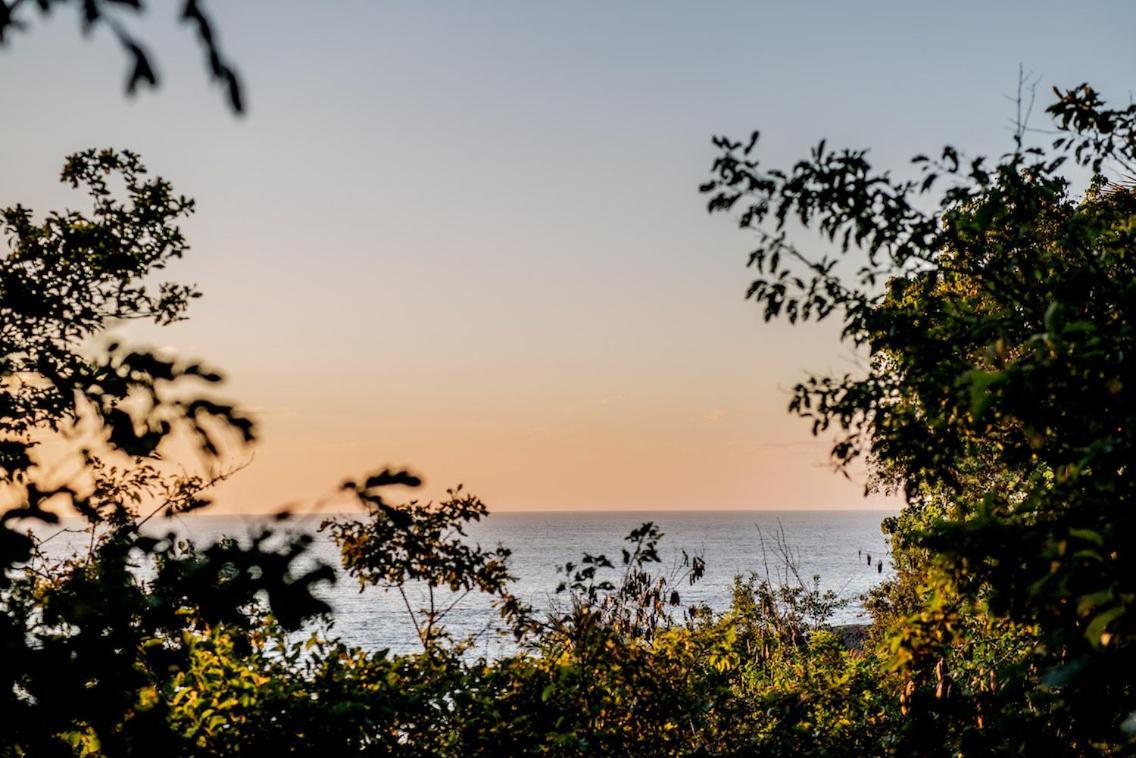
x=467, y=238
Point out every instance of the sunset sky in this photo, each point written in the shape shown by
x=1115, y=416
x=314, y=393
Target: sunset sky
x=467, y=238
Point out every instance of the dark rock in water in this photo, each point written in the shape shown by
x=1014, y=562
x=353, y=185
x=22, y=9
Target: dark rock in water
x=852, y=636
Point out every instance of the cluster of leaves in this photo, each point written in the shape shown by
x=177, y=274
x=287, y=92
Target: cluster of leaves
x=639, y=602
x=86, y=642
x=998, y=330
x=183, y=658
x=609, y=671
x=421, y=543
x=14, y=16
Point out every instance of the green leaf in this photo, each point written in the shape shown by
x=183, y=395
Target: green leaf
x=1089, y=602
x=1088, y=535
x=981, y=383
x=1100, y=622
x=1053, y=318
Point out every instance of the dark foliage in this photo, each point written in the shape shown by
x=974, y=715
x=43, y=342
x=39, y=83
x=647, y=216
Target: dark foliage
x=17, y=15
x=999, y=334
x=81, y=640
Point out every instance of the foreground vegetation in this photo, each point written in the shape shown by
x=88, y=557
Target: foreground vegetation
x=997, y=398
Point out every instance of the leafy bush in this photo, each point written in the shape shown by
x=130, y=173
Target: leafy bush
x=999, y=335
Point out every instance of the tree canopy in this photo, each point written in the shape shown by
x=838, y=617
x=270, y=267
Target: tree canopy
x=998, y=333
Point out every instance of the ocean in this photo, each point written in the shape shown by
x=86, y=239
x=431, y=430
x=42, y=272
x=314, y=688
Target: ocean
x=833, y=545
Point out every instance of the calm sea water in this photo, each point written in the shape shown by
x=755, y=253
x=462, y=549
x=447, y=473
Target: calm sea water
x=830, y=544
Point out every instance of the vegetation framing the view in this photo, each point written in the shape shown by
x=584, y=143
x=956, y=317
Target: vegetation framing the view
x=993, y=300
x=996, y=397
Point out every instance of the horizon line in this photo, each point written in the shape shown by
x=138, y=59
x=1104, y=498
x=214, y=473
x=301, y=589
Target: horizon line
x=582, y=511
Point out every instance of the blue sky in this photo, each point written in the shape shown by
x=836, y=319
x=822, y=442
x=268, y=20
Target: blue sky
x=467, y=237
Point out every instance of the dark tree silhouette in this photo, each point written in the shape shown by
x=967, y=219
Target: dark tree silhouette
x=83, y=429
x=1000, y=337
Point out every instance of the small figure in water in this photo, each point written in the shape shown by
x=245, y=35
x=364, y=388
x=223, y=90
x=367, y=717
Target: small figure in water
x=860, y=553
x=880, y=566
x=869, y=559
